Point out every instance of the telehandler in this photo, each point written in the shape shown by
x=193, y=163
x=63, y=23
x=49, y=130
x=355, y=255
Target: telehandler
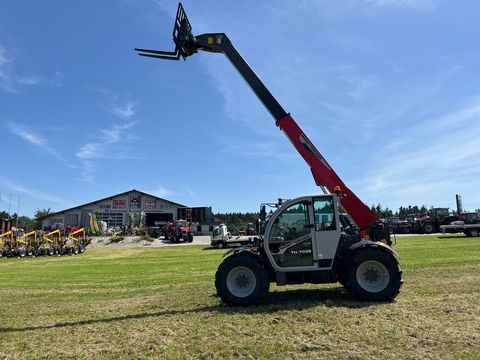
x=305, y=239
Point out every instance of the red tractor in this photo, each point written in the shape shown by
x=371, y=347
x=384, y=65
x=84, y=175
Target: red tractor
x=178, y=230
x=431, y=222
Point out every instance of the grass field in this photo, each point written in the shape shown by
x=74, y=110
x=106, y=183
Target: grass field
x=161, y=303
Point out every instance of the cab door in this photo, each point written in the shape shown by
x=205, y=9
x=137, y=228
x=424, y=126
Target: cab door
x=326, y=229
x=290, y=237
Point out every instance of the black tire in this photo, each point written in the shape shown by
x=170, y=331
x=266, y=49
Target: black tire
x=245, y=276
x=75, y=250
x=1, y=254
x=29, y=252
x=82, y=249
x=474, y=232
x=190, y=238
x=220, y=245
x=50, y=252
x=428, y=228
x=373, y=275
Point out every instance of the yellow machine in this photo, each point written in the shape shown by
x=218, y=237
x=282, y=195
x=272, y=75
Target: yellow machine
x=11, y=246
x=79, y=241
x=6, y=240
x=31, y=242
x=53, y=243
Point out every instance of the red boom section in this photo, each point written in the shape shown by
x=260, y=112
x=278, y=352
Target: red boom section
x=323, y=173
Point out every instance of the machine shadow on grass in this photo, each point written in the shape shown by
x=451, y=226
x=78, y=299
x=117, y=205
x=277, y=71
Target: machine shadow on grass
x=453, y=236
x=275, y=301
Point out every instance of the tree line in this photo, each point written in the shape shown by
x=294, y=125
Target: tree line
x=237, y=220
x=24, y=222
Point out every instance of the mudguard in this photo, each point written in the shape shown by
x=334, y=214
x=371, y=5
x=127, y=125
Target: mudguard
x=383, y=246
x=246, y=248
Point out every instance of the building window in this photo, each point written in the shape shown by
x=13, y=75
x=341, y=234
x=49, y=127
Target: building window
x=71, y=219
x=119, y=204
x=104, y=206
x=55, y=222
x=111, y=218
x=150, y=204
x=135, y=202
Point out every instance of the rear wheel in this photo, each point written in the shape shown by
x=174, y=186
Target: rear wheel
x=29, y=252
x=81, y=248
x=373, y=275
x=1, y=254
x=76, y=250
x=220, y=245
x=50, y=252
x=474, y=232
x=190, y=237
x=20, y=253
x=241, y=280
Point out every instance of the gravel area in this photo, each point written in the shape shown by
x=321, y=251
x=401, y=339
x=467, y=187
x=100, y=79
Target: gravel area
x=135, y=241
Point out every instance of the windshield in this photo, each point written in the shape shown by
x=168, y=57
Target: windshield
x=181, y=223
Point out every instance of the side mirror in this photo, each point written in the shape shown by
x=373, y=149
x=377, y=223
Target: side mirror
x=263, y=212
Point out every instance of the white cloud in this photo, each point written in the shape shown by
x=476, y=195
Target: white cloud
x=190, y=192
x=10, y=81
x=161, y=191
x=407, y=4
x=15, y=187
x=7, y=83
x=115, y=104
x=38, y=141
x=106, y=137
x=432, y=161
x=122, y=111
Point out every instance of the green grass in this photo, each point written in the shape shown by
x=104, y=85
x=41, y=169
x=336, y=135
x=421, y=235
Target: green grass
x=161, y=303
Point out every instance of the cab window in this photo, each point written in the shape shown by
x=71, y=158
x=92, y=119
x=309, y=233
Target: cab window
x=290, y=240
x=291, y=224
x=324, y=215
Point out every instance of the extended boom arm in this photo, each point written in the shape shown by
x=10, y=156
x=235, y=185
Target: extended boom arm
x=186, y=44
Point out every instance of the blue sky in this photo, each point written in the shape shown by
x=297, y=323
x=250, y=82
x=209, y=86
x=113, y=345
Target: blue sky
x=388, y=90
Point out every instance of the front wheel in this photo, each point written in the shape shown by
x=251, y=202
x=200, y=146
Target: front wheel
x=373, y=275
x=241, y=280
x=428, y=228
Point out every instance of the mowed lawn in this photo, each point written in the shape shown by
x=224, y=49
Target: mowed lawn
x=161, y=303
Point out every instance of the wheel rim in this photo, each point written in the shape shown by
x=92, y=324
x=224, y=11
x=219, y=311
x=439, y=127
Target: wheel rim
x=474, y=232
x=428, y=228
x=241, y=281
x=372, y=276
